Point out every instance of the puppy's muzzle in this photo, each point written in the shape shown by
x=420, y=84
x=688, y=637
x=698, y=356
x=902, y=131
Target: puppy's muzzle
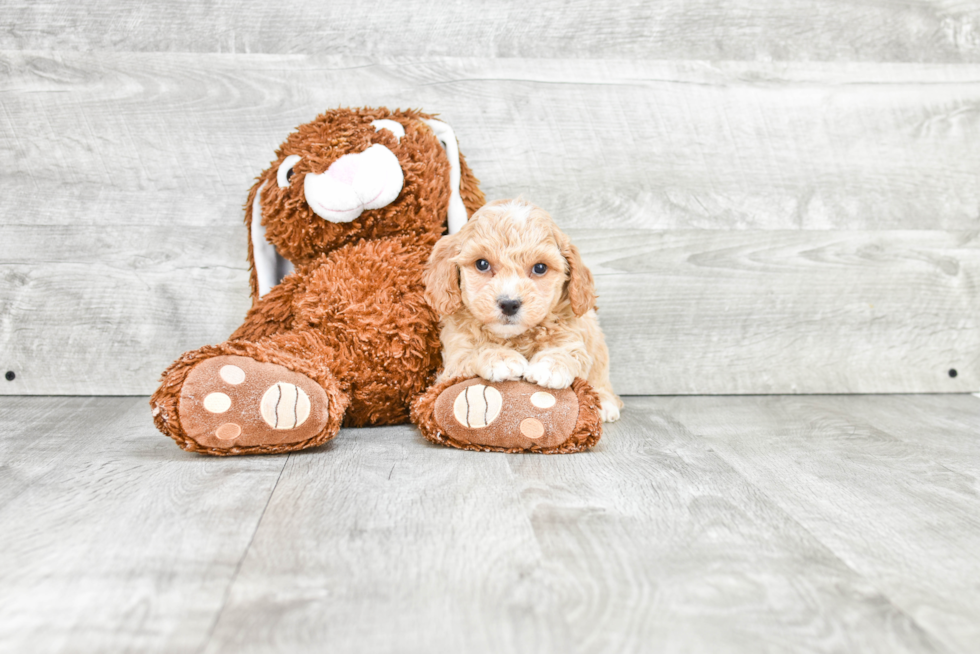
x=509, y=307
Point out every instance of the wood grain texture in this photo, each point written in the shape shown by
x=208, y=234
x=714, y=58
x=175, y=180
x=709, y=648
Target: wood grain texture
x=124, y=176
x=649, y=543
x=389, y=544
x=721, y=524
x=113, y=539
x=809, y=30
x=705, y=312
x=658, y=145
x=875, y=499
x=104, y=310
x=951, y=439
x=657, y=544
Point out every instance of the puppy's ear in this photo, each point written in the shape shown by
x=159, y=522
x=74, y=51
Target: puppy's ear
x=441, y=277
x=580, y=287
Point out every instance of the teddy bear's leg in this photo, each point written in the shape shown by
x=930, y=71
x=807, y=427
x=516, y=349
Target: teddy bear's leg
x=274, y=395
x=510, y=416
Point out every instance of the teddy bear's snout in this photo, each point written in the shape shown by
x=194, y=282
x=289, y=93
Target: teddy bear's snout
x=366, y=180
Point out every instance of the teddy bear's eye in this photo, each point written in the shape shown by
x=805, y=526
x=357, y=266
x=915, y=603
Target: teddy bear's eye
x=285, y=172
x=392, y=126
x=482, y=265
x=539, y=269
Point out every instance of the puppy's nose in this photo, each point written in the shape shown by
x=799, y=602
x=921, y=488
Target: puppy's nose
x=508, y=307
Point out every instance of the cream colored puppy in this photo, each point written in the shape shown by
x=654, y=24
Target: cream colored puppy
x=517, y=302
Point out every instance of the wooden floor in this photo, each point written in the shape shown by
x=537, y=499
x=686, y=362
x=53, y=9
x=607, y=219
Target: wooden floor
x=704, y=524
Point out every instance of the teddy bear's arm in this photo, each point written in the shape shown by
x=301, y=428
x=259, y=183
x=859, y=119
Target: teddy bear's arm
x=272, y=313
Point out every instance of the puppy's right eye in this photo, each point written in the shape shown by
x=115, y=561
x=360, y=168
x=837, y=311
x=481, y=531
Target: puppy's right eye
x=482, y=265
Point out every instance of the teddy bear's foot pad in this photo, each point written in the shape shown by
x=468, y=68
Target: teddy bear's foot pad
x=234, y=401
x=511, y=415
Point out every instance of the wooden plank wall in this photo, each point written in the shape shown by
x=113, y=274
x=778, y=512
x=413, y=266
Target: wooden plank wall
x=776, y=197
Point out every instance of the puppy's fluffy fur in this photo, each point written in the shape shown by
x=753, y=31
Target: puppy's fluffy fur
x=510, y=320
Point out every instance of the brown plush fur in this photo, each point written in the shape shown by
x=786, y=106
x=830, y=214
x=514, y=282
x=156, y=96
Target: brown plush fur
x=587, y=432
x=420, y=210
x=352, y=316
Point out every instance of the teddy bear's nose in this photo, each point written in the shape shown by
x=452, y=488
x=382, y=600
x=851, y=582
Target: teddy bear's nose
x=353, y=183
x=344, y=169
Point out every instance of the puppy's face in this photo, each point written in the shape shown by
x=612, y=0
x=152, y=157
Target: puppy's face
x=511, y=267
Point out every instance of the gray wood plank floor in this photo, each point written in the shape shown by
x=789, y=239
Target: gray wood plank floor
x=718, y=524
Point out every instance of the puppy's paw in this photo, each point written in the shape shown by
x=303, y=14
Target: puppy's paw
x=549, y=373
x=504, y=365
x=608, y=411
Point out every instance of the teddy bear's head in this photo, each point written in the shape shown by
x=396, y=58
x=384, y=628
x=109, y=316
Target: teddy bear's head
x=354, y=174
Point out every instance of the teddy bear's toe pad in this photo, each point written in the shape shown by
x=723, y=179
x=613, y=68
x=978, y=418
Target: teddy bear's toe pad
x=233, y=401
x=510, y=414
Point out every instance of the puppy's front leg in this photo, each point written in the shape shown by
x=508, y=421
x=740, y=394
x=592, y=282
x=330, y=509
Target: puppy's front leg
x=557, y=367
x=500, y=364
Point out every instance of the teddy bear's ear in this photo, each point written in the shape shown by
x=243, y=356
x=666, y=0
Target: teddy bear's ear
x=268, y=267
x=469, y=188
x=457, y=210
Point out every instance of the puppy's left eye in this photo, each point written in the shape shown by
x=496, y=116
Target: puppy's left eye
x=482, y=265
x=539, y=269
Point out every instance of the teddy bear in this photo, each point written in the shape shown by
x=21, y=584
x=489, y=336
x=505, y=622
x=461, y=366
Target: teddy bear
x=341, y=225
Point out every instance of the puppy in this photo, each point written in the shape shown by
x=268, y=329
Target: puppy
x=517, y=303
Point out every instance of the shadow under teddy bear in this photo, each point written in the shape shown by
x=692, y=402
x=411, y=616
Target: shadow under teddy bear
x=340, y=228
